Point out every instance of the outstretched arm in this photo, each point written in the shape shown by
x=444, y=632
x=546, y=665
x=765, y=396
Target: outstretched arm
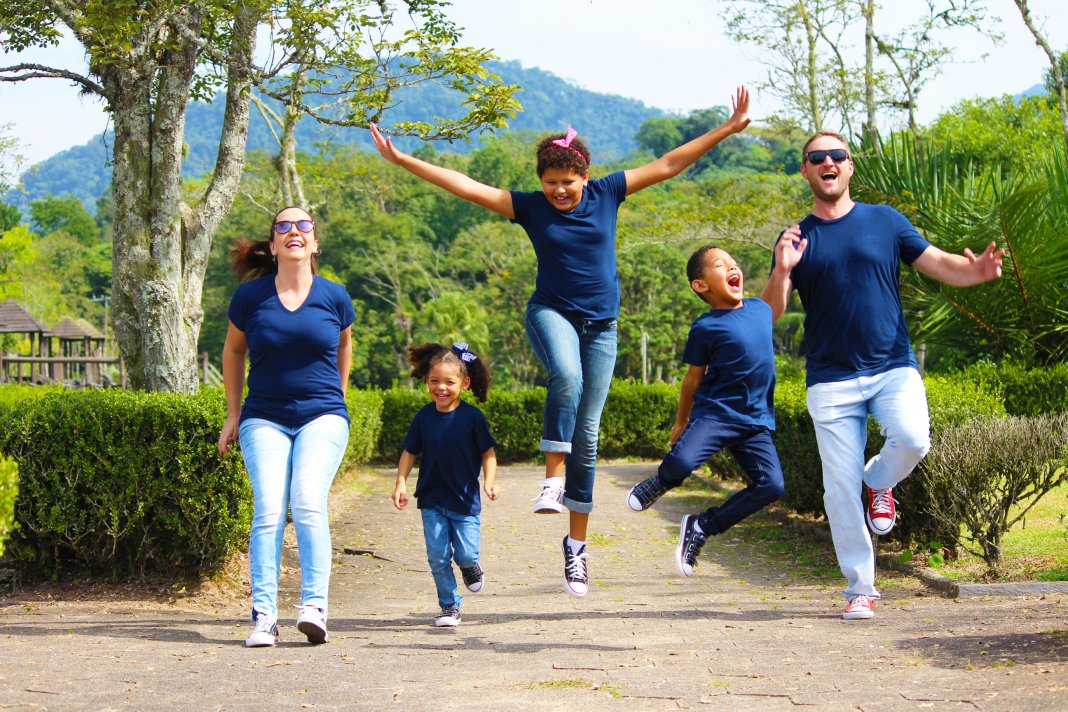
x=674, y=162
x=788, y=251
x=460, y=185
x=961, y=270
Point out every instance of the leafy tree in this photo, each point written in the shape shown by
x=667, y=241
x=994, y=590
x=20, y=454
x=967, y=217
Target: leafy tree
x=148, y=61
x=998, y=132
x=65, y=213
x=10, y=216
x=1058, y=64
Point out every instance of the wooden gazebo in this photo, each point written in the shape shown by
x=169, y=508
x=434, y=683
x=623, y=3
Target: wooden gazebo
x=77, y=337
x=16, y=320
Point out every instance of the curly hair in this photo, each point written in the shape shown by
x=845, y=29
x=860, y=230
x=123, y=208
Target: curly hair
x=551, y=155
x=425, y=356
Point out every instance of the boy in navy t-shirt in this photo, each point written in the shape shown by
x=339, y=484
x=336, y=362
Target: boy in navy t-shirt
x=726, y=402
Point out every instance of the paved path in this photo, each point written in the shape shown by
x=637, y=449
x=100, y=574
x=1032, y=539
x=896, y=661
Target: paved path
x=746, y=633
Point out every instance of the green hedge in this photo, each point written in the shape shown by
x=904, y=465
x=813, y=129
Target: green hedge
x=121, y=485
x=365, y=416
x=9, y=487
x=1025, y=391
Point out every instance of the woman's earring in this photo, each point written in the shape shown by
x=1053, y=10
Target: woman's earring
x=319, y=252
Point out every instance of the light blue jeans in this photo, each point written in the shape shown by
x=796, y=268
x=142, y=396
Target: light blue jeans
x=291, y=468
x=840, y=412
x=449, y=536
x=579, y=356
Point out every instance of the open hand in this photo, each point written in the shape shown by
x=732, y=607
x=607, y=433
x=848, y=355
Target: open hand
x=987, y=265
x=740, y=109
x=384, y=144
x=790, y=247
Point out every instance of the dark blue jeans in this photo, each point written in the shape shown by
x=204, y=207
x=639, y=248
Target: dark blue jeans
x=752, y=448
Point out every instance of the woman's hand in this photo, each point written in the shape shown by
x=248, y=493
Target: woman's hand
x=228, y=436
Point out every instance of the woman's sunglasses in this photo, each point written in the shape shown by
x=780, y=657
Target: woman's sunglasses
x=284, y=226
x=837, y=155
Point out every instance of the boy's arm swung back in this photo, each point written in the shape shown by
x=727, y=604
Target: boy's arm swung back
x=460, y=185
x=788, y=251
x=676, y=161
x=489, y=471
x=690, y=382
x=400, y=489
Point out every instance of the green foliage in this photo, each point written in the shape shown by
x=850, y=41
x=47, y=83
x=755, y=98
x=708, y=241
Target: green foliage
x=10, y=216
x=995, y=470
x=1025, y=391
x=122, y=484
x=64, y=213
x=9, y=488
x=637, y=420
x=1023, y=315
x=365, y=423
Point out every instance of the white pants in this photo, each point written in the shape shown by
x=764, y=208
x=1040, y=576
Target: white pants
x=840, y=412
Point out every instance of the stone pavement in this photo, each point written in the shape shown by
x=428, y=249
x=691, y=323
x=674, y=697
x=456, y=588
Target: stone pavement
x=746, y=633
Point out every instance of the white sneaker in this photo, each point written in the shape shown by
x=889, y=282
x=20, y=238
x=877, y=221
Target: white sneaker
x=312, y=623
x=264, y=635
x=551, y=498
x=448, y=618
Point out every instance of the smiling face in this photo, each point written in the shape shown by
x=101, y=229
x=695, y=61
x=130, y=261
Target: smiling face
x=721, y=283
x=829, y=180
x=563, y=187
x=293, y=245
x=445, y=383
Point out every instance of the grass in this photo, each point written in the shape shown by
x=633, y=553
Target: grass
x=1036, y=549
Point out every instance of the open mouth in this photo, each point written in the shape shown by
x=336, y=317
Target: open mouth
x=295, y=243
x=828, y=175
x=734, y=281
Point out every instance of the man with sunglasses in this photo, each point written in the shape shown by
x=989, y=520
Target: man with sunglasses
x=843, y=259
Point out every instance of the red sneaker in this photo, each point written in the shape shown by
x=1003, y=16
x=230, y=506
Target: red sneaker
x=881, y=511
x=859, y=607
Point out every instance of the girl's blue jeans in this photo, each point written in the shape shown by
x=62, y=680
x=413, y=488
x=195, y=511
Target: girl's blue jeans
x=449, y=536
x=579, y=356
x=291, y=468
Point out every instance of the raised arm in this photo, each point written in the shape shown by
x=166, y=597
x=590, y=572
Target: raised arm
x=460, y=185
x=788, y=250
x=961, y=270
x=676, y=161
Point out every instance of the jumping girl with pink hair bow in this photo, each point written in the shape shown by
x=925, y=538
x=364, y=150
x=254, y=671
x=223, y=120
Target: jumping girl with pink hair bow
x=571, y=317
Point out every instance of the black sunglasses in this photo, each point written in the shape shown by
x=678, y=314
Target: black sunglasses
x=284, y=226
x=817, y=157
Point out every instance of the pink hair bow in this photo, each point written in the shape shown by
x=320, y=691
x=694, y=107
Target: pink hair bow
x=565, y=142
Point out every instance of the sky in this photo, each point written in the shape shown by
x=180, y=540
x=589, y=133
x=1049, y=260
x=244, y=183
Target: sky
x=670, y=54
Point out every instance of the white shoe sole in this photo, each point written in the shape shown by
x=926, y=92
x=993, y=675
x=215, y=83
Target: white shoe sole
x=880, y=532
x=316, y=634
x=548, y=506
x=446, y=623
x=631, y=500
x=858, y=615
x=577, y=593
x=679, y=566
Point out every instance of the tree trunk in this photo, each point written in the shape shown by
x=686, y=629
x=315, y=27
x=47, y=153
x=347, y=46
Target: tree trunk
x=160, y=244
x=871, y=128
x=812, y=73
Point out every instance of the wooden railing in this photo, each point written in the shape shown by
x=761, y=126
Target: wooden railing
x=83, y=370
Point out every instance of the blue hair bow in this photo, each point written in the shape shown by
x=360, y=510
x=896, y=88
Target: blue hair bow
x=460, y=347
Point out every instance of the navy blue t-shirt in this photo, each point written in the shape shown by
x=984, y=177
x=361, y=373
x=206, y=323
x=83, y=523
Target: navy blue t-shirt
x=736, y=346
x=848, y=281
x=450, y=446
x=293, y=377
x=577, y=250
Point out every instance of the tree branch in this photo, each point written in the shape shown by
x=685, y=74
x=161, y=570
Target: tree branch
x=40, y=71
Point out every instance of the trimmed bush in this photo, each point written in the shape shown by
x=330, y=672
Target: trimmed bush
x=365, y=416
x=1025, y=391
x=123, y=485
x=637, y=420
x=9, y=487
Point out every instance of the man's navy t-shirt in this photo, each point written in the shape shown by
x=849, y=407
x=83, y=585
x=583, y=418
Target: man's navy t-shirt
x=450, y=446
x=293, y=377
x=736, y=346
x=577, y=250
x=848, y=281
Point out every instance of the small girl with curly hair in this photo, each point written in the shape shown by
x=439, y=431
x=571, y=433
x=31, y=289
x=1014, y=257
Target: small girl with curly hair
x=571, y=317
x=453, y=441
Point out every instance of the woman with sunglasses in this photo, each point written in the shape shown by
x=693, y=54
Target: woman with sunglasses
x=295, y=327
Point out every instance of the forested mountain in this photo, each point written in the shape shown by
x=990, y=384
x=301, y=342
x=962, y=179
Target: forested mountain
x=549, y=104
